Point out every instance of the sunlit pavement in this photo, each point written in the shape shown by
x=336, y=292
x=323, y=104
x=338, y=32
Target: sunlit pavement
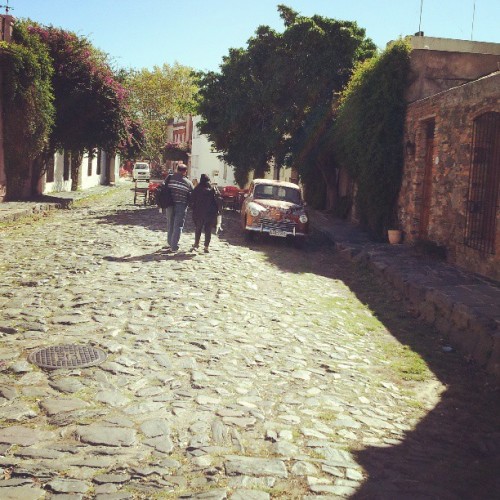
x=254, y=371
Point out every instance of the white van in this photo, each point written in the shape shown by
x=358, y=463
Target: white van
x=141, y=171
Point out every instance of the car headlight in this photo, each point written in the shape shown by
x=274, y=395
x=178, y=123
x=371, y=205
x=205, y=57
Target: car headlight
x=303, y=218
x=254, y=212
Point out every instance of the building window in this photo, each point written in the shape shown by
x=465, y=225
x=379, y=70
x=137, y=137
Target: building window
x=50, y=165
x=98, y=170
x=66, y=165
x=484, y=179
x=89, y=164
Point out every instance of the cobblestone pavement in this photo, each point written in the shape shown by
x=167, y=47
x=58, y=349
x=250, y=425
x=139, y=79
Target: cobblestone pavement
x=252, y=372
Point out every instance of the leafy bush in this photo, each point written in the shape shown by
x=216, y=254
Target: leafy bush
x=368, y=134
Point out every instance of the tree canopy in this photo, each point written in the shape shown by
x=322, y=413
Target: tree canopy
x=91, y=105
x=157, y=96
x=257, y=107
x=59, y=93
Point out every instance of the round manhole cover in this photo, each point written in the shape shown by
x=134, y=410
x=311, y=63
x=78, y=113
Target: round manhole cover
x=67, y=356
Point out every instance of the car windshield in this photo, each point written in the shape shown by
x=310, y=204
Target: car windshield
x=281, y=193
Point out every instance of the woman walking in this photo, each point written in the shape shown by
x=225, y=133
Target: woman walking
x=206, y=204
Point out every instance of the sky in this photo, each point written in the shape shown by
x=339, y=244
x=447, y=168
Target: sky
x=198, y=33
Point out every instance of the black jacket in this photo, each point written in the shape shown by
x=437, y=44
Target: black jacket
x=206, y=204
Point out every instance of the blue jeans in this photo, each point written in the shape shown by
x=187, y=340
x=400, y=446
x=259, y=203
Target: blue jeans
x=176, y=224
x=169, y=213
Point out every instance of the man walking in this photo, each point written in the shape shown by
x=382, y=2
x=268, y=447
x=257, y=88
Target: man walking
x=180, y=187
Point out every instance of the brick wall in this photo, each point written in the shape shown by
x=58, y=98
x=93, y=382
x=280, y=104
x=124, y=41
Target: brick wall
x=453, y=112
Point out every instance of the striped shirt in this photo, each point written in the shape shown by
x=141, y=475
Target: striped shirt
x=180, y=187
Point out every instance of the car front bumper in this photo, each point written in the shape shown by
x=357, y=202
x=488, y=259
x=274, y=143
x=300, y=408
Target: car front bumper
x=276, y=230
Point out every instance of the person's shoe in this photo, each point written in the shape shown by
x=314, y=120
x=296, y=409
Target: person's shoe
x=205, y=249
x=194, y=248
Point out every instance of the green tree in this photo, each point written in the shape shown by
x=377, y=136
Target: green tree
x=240, y=105
x=262, y=102
x=157, y=96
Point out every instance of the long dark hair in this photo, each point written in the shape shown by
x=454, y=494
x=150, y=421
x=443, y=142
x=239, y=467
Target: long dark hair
x=204, y=181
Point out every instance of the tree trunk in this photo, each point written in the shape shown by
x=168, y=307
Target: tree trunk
x=331, y=184
x=38, y=168
x=3, y=176
x=76, y=161
x=259, y=172
x=331, y=197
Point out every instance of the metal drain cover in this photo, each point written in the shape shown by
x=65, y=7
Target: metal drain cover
x=67, y=356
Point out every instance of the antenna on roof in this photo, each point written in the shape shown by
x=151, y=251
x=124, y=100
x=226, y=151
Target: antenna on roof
x=420, y=21
x=7, y=8
x=473, y=16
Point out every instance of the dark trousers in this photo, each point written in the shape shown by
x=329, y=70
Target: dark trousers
x=206, y=227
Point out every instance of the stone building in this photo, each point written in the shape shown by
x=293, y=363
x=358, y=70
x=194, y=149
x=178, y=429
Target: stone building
x=450, y=191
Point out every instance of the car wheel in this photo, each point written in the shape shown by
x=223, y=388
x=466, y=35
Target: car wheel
x=299, y=242
x=249, y=235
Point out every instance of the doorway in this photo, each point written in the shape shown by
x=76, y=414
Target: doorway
x=425, y=209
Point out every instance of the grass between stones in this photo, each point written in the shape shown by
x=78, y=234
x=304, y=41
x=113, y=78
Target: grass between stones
x=21, y=223
x=407, y=345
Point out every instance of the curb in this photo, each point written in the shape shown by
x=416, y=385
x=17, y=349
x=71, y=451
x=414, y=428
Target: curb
x=10, y=211
x=464, y=309
x=16, y=213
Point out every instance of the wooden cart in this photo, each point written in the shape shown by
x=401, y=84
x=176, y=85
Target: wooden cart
x=141, y=192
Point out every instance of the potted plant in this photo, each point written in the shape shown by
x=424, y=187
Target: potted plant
x=395, y=236
x=394, y=233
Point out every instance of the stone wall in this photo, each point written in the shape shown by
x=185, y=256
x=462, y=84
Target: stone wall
x=453, y=112
x=438, y=64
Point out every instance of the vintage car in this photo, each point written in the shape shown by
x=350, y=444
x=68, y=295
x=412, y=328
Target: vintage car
x=275, y=208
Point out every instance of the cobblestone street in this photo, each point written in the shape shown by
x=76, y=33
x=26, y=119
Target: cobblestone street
x=257, y=371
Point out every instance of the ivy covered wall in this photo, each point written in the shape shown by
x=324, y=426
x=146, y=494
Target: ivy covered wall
x=28, y=108
x=368, y=135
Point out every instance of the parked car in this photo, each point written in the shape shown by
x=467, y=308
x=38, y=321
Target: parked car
x=141, y=171
x=232, y=197
x=275, y=208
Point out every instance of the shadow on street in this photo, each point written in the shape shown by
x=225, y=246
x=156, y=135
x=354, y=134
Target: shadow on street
x=452, y=453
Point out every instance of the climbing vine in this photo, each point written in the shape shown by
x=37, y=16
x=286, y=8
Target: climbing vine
x=28, y=106
x=368, y=134
x=59, y=92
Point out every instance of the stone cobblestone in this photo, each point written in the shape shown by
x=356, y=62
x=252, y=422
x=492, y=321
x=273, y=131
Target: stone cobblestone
x=229, y=374
x=463, y=306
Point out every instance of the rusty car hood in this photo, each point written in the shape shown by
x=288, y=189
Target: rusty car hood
x=278, y=205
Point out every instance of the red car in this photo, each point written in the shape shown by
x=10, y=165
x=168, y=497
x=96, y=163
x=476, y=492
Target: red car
x=275, y=208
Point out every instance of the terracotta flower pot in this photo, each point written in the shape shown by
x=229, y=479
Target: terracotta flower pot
x=395, y=236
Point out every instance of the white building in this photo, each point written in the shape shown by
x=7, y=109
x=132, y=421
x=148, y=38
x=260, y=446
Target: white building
x=204, y=160
x=94, y=170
